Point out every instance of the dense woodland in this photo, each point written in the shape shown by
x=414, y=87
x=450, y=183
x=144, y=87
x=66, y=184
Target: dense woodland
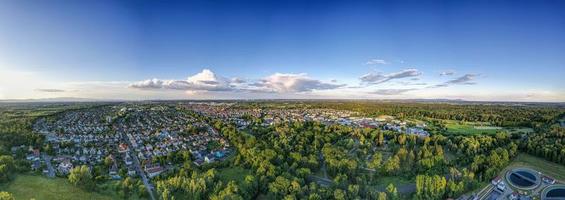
x=309, y=160
x=285, y=157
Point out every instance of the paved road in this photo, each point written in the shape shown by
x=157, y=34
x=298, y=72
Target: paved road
x=139, y=170
x=323, y=167
x=47, y=159
x=321, y=180
x=368, y=169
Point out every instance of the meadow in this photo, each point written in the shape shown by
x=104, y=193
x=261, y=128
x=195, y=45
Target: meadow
x=39, y=187
x=236, y=174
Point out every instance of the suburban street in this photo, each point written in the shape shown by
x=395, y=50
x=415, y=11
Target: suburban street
x=47, y=159
x=140, y=172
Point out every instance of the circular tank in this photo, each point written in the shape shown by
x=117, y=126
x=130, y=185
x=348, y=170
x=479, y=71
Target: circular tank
x=553, y=192
x=523, y=178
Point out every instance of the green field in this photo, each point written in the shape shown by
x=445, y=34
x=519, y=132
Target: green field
x=546, y=167
x=236, y=174
x=470, y=128
x=38, y=187
x=520, y=130
x=384, y=181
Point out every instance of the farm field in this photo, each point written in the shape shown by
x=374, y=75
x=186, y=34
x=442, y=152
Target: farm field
x=38, y=187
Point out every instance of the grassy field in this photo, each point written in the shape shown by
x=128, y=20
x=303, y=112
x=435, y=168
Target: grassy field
x=38, y=187
x=384, y=181
x=233, y=174
x=469, y=128
x=521, y=130
x=475, y=128
x=546, y=167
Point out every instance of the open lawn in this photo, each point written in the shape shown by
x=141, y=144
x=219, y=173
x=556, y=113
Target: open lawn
x=546, y=167
x=383, y=181
x=470, y=128
x=38, y=187
x=474, y=128
x=404, y=186
x=521, y=130
x=236, y=174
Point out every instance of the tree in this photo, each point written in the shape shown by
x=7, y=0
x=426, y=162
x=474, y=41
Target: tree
x=230, y=192
x=7, y=168
x=392, y=192
x=392, y=165
x=339, y=194
x=81, y=177
x=6, y=196
x=430, y=187
x=376, y=162
x=280, y=186
x=108, y=161
x=380, y=138
x=127, y=187
x=314, y=196
x=401, y=139
x=454, y=189
x=381, y=196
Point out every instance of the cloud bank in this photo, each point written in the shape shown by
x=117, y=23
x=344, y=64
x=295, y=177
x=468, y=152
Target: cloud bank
x=209, y=81
x=377, y=78
x=391, y=91
x=467, y=79
x=289, y=83
x=203, y=81
x=49, y=90
x=447, y=73
x=376, y=62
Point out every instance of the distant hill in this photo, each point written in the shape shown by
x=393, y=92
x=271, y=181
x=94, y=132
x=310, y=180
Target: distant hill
x=441, y=101
x=58, y=99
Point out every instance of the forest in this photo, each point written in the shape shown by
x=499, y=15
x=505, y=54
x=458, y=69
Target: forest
x=289, y=159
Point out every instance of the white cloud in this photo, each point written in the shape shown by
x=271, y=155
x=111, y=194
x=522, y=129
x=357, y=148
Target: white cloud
x=466, y=79
x=49, y=90
x=391, y=91
x=376, y=62
x=447, y=73
x=288, y=83
x=411, y=83
x=208, y=81
x=203, y=81
x=237, y=80
x=376, y=78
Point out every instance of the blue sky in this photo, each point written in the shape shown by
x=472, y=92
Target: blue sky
x=488, y=50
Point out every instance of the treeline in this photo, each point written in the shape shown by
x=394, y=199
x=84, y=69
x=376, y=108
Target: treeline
x=15, y=130
x=497, y=114
x=548, y=143
x=192, y=184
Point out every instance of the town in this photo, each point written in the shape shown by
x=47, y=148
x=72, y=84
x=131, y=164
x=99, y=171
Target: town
x=242, y=117
x=131, y=140
x=137, y=140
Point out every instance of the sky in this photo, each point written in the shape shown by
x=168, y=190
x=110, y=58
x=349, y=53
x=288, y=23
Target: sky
x=140, y=50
